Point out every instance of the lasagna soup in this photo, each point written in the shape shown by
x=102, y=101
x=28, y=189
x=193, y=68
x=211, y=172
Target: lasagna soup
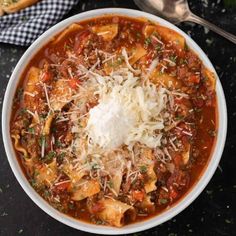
x=114, y=120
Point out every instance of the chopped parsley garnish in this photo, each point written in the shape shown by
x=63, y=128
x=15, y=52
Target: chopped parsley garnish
x=143, y=169
x=46, y=193
x=173, y=58
x=22, y=111
x=33, y=182
x=95, y=166
x=61, y=156
x=158, y=48
x=53, y=129
x=117, y=62
x=43, y=116
x=163, y=201
x=183, y=61
x=110, y=184
x=71, y=206
x=147, y=41
x=99, y=222
x=31, y=130
x=49, y=156
x=26, y=123
x=186, y=48
x=179, y=117
x=58, y=143
x=42, y=140
x=19, y=94
x=66, y=46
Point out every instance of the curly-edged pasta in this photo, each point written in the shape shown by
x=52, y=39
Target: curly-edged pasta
x=114, y=212
x=107, y=32
x=17, y=145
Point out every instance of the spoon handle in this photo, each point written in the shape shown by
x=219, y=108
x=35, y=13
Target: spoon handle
x=201, y=21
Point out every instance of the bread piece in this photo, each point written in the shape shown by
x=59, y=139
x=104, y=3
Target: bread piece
x=11, y=6
x=1, y=11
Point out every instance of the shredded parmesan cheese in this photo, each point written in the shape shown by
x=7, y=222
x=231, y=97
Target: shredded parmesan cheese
x=127, y=112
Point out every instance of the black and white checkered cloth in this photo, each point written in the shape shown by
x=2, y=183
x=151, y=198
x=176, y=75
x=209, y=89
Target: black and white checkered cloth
x=23, y=27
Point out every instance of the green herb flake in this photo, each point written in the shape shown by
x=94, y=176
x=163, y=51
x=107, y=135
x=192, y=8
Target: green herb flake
x=95, y=166
x=61, y=156
x=58, y=143
x=99, y=222
x=31, y=130
x=26, y=123
x=179, y=117
x=143, y=169
x=33, y=182
x=46, y=193
x=49, y=156
x=71, y=206
x=110, y=184
x=163, y=201
x=147, y=41
x=173, y=58
x=158, y=48
x=42, y=140
x=181, y=61
x=186, y=47
x=66, y=46
x=22, y=111
x=19, y=94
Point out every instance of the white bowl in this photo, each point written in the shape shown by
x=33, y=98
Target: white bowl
x=132, y=228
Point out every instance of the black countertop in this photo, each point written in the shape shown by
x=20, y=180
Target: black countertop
x=214, y=211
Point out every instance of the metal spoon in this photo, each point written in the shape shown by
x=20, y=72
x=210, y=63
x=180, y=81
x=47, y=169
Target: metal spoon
x=178, y=11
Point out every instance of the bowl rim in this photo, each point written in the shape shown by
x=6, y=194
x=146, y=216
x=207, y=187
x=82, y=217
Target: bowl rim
x=193, y=193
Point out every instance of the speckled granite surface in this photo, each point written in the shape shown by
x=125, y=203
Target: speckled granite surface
x=214, y=212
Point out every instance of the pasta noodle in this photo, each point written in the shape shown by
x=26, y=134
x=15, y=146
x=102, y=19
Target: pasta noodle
x=114, y=212
x=17, y=145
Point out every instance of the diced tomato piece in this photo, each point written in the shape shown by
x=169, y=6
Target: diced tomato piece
x=63, y=186
x=138, y=195
x=182, y=72
x=98, y=207
x=80, y=41
x=194, y=79
x=193, y=60
x=73, y=83
x=46, y=76
x=199, y=102
x=177, y=160
x=180, y=53
x=173, y=194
